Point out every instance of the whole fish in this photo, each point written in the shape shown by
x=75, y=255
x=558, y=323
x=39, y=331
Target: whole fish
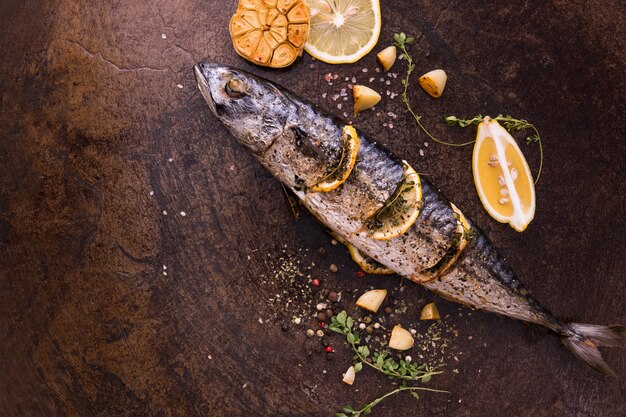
x=296, y=142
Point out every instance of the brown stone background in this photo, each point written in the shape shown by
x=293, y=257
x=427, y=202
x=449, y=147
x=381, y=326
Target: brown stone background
x=90, y=116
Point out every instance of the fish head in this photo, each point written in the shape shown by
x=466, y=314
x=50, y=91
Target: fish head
x=252, y=109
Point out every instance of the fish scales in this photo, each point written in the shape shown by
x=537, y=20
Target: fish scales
x=296, y=141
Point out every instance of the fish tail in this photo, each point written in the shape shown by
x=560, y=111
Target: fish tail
x=584, y=339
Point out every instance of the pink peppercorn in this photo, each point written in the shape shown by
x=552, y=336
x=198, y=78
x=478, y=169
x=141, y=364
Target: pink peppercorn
x=316, y=282
x=328, y=349
x=360, y=274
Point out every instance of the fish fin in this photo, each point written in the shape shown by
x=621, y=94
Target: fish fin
x=584, y=340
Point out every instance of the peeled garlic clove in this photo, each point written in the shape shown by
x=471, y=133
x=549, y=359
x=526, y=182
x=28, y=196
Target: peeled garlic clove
x=349, y=376
x=430, y=312
x=371, y=300
x=387, y=57
x=401, y=339
x=364, y=98
x=434, y=82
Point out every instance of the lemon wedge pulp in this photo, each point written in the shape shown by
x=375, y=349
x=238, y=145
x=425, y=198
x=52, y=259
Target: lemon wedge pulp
x=367, y=264
x=400, y=211
x=342, y=31
x=339, y=172
x=502, y=176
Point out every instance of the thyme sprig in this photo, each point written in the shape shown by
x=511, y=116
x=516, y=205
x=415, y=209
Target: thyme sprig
x=383, y=362
x=510, y=123
x=402, y=41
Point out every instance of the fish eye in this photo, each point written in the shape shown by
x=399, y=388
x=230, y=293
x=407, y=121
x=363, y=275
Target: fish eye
x=235, y=88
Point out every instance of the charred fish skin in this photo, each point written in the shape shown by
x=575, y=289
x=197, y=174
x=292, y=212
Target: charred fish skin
x=296, y=141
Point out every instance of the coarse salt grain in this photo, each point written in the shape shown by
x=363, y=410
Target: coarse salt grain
x=426, y=144
x=324, y=95
x=353, y=80
x=179, y=85
x=165, y=212
x=339, y=106
x=182, y=213
x=421, y=152
x=364, y=69
x=151, y=192
x=170, y=160
x=163, y=35
x=372, y=79
x=377, y=69
x=388, y=82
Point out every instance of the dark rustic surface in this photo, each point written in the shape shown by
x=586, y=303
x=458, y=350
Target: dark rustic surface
x=92, y=121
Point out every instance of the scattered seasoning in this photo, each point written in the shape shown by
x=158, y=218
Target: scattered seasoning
x=322, y=324
x=328, y=349
x=320, y=306
x=321, y=316
x=179, y=86
x=320, y=333
x=297, y=320
x=310, y=332
x=333, y=296
x=151, y=193
x=322, y=250
x=360, y=274
x=329, y=313
x=285, y=327
x=165, y=212
x=333, y=268
x=316, y=282
x=333, y=242
x=163, y=36
x=182, y=213
x=388, y=310
x=362, y=326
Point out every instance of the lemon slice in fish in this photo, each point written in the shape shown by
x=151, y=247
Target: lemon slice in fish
x=339, y=171
x=459, y=241
x=342, y=31
x=400, y=211
x=502, y=176
x=367, y=264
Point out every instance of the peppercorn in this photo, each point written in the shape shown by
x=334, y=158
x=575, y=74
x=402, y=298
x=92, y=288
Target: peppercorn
x=316, y=282
x=328, y=349
x=321, y=316
x=333, y=296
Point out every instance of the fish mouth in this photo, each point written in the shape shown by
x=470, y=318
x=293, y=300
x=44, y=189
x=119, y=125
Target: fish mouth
x=204, y=87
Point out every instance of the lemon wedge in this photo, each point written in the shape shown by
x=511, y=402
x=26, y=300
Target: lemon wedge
x=502, y=176
x=342, y=31
x=400, y=211
x=367, y=264
x=337, y=173
x=459, y=241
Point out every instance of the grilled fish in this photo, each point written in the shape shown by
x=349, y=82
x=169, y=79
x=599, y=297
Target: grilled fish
x=296, y=141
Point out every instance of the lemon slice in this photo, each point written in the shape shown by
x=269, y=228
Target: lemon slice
x=338, y=172
x=367, y=264
x=502, y=176
x=400, y=211
x=459, y=241
x=342, y=31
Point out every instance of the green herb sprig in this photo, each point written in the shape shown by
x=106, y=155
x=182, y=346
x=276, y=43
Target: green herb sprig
x=401, y=41
x=384, y=363
x=510, y=123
